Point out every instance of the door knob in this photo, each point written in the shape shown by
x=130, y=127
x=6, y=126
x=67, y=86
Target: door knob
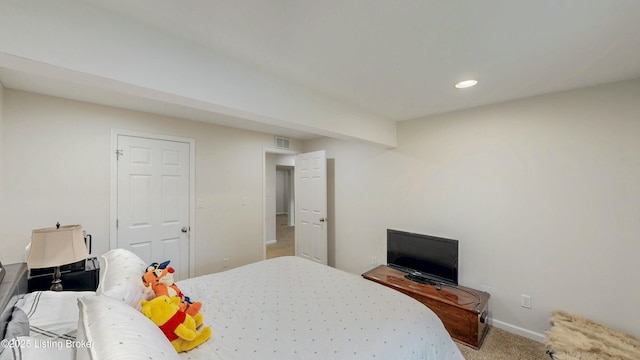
x=322, y=219
x=185, y=229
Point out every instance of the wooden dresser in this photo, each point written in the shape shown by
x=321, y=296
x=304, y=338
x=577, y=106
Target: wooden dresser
x=463, y=310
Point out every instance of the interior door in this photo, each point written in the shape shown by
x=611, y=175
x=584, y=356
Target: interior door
x=153, y=200
x=311, y=206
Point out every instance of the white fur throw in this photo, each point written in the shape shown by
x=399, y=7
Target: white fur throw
x=572, y=337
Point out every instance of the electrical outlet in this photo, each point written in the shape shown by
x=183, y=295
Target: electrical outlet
x=374, y=261
x=225, y=263
x=525, y=301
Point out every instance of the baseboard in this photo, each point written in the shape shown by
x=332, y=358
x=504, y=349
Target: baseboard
x=518, y=330
x=270, y=242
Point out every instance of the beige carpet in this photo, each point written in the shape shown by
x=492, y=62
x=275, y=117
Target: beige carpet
x=285, y=236
x=503, y=345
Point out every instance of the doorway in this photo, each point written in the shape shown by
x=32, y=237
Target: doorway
x=279, y=234
x=308, y=202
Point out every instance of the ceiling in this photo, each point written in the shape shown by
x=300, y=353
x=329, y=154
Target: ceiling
x=400, y=59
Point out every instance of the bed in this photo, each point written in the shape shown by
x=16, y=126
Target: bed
x=283, y=308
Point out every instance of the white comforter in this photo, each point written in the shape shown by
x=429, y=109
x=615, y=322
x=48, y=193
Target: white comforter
x=291, y=308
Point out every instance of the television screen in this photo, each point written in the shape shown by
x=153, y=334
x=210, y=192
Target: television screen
x=426, y=256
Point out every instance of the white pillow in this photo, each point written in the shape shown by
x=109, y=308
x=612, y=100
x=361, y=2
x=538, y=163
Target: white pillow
x=55, y=311
x=110, y=329
x=121, y=277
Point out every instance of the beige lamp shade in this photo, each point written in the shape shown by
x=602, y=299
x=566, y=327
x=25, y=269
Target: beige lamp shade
x=52, y=247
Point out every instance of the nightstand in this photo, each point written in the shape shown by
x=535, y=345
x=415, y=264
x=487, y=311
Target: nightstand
x=73, y=278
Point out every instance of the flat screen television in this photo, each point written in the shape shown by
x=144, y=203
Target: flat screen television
x=423, y=257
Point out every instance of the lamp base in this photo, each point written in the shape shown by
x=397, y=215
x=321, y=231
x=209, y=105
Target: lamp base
x=56, y=284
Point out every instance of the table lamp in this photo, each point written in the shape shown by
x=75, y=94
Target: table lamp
x=54, y=247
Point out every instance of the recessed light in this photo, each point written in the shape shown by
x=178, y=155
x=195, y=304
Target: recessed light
x=466, y=84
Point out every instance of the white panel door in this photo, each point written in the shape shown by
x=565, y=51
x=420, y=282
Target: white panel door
x=311, y=206
x=153, y=200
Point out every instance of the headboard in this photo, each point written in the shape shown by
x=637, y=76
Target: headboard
x=13, y=285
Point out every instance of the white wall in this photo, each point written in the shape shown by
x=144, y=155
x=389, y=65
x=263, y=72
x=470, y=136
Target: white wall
x=542, y=193
x=56, y=163
x=282, y=205
x=70, y=35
